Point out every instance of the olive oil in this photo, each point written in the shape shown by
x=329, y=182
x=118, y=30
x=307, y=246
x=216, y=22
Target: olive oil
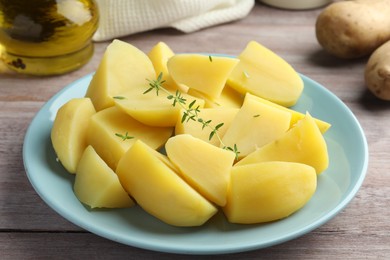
x=47, y=37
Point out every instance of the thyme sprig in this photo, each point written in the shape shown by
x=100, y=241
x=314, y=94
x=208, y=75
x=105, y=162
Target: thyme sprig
x=125, y=136
x=191, y=112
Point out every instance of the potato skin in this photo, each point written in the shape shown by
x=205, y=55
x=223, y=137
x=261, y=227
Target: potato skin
x=353, y=29
x=377, y=72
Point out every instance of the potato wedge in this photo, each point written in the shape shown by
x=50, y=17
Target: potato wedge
x=69, y=132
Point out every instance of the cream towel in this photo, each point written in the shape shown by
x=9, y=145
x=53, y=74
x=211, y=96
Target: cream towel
x=124, y=17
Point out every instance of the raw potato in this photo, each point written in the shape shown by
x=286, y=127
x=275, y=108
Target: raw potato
x=157, y=188
x=69, y=132
x=97, y=185
x=352, y=29
x=377, y=72
x=268, y=191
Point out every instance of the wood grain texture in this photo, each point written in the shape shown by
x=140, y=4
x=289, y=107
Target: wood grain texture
x=29, y=229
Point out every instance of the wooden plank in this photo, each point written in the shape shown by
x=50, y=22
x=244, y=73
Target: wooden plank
x=316, y=245
x=29, y=229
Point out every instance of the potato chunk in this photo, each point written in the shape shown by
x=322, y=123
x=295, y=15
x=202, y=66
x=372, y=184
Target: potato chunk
x=159, y=55
x=303, y=143
x=69, y=132
x=216, y=115
x=255, y=125
x=228, y=98
x=97, y=185
x=206, y=74
x=154, y=110
x=268, y=191
x=107, y=124
x=155, y=186
x=122, y=67
x=265, y=74
x=295, y=115
x=204, y=166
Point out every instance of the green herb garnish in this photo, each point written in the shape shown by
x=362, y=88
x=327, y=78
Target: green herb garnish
x=190, y=112
x=119, y=97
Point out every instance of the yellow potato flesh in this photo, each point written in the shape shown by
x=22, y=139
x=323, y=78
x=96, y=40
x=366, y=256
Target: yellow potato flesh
x=255, y=125
x=69, y=132
x=203, y=73
x=152, y=109
x=303, y=143
x=122, y=67
x=295, y=115
x=216, y=115
x=268, y=191
x=265, y=74
x=159, y=55
x=204, y=166
x=159, y=190
x=97, y=185
x=104, y=126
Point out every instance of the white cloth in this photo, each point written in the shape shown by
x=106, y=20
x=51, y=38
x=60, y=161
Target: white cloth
x=124, y=17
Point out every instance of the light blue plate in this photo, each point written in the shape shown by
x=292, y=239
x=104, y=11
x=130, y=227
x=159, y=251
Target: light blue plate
x=336, y=187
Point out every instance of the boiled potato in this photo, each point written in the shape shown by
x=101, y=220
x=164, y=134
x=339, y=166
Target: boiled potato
x=217, y=116
x=204, y=166
x=265, y=74
x=159, y=190
x=152, y=109
x=69, y=132
x=159, y=55
x=268, y=191
x=352, y=29
x=228, y=98
x=206, y=74
x=295, y=115
x=255, y=125
x=303, y=143
x=97, y=185
x=107, y=124
x=123, y=67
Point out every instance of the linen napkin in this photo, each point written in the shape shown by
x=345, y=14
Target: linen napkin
x=124, y=17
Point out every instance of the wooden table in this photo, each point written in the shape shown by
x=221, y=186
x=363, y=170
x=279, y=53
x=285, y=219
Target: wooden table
x=29, y=229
